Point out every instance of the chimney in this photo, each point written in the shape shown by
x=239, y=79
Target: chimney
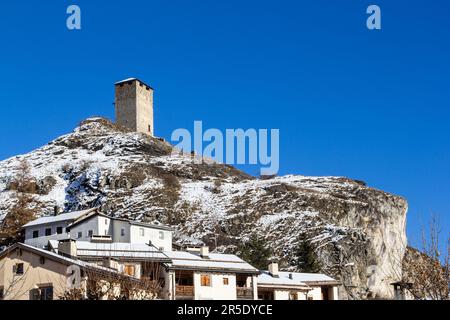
x=204, y=252
x=273, y=270
x=67, y=248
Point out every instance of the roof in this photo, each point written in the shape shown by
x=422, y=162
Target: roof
x=298, y=279
x=127, y=251
x=215, y=262
x=51, y=255
x=97, y=213
x=71, y=216
x=130, y=80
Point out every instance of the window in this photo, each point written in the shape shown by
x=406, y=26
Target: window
x=43, y=293
x=19, y=252
x=293, y=296
x=149, y=128
x=35, y=234
x=142, y=232
x=205, y=280
x=161, y=235
x=226, y=281
x=2, y=293
x=42, y=260
x=59, y=230
x=90, y=233
x=48, y=232
x=106, y=222
x=79, y=235
x=122, y=232
x=18, y=269
x=46, y=293
x=129, y=270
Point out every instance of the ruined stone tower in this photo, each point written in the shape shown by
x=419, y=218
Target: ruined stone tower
x=134, y=105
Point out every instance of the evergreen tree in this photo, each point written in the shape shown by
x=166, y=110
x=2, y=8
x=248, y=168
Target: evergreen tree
x=255, y=252
x=307, y=260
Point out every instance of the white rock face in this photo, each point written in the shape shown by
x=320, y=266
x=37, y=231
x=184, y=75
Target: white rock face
x=358, y=233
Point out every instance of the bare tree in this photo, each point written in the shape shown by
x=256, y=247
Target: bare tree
x=105, y=284
x=426, y=272
x=21, y=212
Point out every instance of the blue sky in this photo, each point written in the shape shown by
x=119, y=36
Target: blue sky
x=370, y=105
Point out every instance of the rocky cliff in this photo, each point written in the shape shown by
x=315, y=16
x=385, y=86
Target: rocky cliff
x=357, y=233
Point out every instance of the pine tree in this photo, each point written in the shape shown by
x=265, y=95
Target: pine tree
x=255, y=252
x=306, y=256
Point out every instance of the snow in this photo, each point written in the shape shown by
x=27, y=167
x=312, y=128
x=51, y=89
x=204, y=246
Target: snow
x=181, y=259
x=298, y=279
x=62, y=217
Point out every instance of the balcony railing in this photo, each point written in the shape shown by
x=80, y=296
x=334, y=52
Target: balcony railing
x=184, y=291
x=244, y=293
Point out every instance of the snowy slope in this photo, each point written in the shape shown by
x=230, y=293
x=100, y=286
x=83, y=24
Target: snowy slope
x=132, y=175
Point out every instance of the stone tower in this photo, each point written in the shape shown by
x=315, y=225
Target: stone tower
x=134, y=105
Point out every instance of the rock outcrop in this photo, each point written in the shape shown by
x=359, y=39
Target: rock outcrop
x=358, y=233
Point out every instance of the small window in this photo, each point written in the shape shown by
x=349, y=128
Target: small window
x=161, y=235
x=106, y=221
x=19, y=252
x=205, y=280
x=90, y=233
x=122, y=232
x=42, y=260
x=226, y=281
x=79, y=235
x=59, y=230
x=18, y=269
x=46, y=293
x=142, y=232
x=43, y=293
x=129, y=270
x=48, y=232
x=35, y=234
x=149, y=128
x=293, y=296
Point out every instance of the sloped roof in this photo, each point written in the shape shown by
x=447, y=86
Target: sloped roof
x=70, y=216
x=298, y=279
x=128, y=251
x=54, y=256
x=215, y=262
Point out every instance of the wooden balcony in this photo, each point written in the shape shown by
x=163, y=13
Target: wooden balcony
x=244, y=293
x=184, y=291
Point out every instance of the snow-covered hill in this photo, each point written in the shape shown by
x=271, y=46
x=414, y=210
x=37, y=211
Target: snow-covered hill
x=358, y=232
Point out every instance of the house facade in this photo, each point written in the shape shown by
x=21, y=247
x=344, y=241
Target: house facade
x=276, y=285
x=92, y=225
x=207, y=276
x=30, y=273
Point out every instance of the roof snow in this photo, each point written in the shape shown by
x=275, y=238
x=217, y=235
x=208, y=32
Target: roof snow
x=115, y=250
x=298, y=279
x=229, y=262
x=71, y=216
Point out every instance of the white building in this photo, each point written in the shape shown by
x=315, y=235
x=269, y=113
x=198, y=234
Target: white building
x=91, y=225
x=208, y=276
x=38, y=232
x=276, y=285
